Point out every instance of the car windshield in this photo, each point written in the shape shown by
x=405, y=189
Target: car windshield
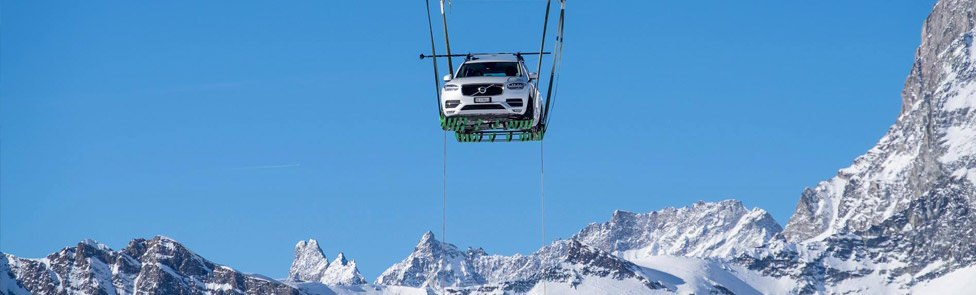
x=489, y=69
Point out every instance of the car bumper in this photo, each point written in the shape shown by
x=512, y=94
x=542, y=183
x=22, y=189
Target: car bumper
x=509, y=104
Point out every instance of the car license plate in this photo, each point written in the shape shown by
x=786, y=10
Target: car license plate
x=482, y=99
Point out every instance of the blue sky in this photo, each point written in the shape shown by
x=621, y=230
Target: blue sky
x=241, y=127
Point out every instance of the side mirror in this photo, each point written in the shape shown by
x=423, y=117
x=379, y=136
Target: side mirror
x=447, y=77
x=533, y=76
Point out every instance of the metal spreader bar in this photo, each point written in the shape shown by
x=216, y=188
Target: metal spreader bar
x=423, y=56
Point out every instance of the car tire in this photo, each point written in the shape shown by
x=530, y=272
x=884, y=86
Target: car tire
x=530, y=109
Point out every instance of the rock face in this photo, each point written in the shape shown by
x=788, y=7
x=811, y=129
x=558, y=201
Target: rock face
x=310, y=265
x=156, y=266
x=722, y=229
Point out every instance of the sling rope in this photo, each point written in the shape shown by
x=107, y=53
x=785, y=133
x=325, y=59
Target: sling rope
x=437, y=87
x=542, y=202
x=444, y=206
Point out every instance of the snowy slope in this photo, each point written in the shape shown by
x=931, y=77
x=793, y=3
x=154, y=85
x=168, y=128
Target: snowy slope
x=703, y=276
x=316, y=288
x=960, y=281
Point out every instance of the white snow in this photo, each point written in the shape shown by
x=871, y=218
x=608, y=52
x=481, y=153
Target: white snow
x=960, y=141
x=966, y=98
x=596, y=286
x=689, y=275
x=969, y=174
x=316, y=288
x=219, y=287
x=960, y=281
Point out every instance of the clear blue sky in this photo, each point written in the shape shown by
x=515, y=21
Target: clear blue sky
x=241, y=127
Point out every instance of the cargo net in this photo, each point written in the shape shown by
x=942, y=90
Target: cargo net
x=483, y=130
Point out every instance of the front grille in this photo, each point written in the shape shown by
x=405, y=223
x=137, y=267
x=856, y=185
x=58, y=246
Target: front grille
x=482, y=107
x=515, y=102
x=481, y=89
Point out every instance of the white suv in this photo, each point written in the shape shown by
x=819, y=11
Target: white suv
x=492, y=89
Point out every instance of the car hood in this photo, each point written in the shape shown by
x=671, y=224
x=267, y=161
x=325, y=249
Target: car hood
x=485, y=80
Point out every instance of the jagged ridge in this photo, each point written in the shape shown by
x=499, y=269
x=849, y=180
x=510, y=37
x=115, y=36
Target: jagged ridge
x=722, y=229
x=156, y=266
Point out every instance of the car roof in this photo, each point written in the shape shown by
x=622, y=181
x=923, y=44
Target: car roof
x=493, y=58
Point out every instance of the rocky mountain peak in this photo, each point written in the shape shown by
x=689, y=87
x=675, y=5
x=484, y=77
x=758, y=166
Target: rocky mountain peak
x=428, y=241
x=95, y=244
x=431, y=263
x=342, y=272
x=340, y=259
x=309, y=263
x=949, y=20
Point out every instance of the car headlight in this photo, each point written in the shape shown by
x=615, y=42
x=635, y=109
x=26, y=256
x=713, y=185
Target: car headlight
x=516, y=85
x=451, y=87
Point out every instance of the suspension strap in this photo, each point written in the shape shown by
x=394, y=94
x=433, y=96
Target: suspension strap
x=545, y=28
x=447, y=40
x=433, y=53
x=556, y=62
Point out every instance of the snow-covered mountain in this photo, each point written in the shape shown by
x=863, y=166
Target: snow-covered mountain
x=931, y=147
x=438, y=266
x=903, y=213
x=722, y=229
x=156, y=266
x=310, y=265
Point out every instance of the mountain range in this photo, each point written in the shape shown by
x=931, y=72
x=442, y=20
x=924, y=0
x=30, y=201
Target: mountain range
x=901, y=219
